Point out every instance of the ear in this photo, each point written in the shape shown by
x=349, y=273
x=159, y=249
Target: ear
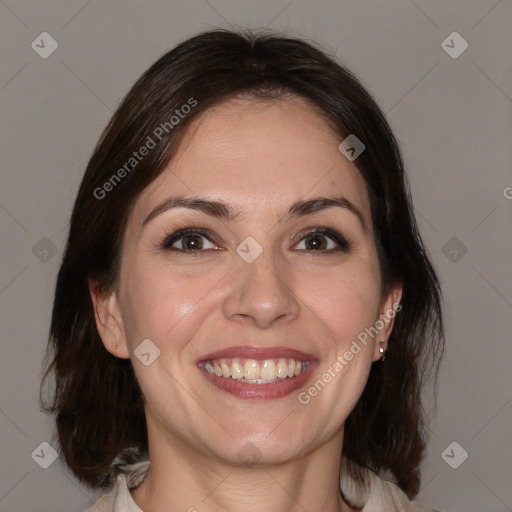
x=109, y=322
x=390, y=307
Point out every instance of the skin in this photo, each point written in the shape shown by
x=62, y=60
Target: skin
x=259, y=158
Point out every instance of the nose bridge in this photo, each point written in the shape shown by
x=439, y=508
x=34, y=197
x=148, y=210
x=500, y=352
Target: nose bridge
x=260, y=292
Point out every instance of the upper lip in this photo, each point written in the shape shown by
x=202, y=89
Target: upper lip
x=257, y=352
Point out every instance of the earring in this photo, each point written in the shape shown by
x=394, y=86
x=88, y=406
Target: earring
x=382, y=351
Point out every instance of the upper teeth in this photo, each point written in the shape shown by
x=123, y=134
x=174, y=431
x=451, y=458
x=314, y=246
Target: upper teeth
x=252, y=370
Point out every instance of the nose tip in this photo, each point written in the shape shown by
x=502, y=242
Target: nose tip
x=261, y=294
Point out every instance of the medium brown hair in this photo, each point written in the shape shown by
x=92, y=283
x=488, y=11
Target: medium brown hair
x=99, y=410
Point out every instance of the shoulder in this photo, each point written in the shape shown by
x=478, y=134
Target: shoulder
x=105, y=503
x=118, y=499
x=385, y=496
x=379, y=496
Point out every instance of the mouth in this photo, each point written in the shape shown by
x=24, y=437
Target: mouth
x=254, y=371
x=257, y=373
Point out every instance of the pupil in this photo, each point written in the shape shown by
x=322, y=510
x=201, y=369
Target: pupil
x=192, y=243
x=315, y=242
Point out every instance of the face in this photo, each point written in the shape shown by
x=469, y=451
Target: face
x=251, y=267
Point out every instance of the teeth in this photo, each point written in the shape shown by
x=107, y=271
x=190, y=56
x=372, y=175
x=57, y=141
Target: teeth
x=256, y=371
x=237, y=372
x=291, y=368
x=268, y=370
x=282, y=368
x=226, y=372
x=251, y=369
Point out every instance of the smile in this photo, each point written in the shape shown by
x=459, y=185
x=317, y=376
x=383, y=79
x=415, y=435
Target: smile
x=254, y=371
x=257, y=373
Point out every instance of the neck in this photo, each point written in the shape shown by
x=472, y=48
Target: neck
x=183, y=478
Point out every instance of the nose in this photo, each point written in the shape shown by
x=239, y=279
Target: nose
x=261, y=294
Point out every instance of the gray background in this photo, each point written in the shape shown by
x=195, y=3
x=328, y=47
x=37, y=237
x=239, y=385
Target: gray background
x=452, y=116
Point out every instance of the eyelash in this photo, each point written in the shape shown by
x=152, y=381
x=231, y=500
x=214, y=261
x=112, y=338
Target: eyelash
x=166, y=244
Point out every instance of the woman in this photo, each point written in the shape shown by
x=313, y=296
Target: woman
x=245, y=314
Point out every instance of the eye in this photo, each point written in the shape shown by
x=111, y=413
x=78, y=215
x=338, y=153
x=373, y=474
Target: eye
x=322, y=240
x=189, y=240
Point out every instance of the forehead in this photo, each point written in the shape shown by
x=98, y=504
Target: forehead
x=259, y=154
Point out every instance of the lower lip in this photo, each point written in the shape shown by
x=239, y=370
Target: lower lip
x=268, y=391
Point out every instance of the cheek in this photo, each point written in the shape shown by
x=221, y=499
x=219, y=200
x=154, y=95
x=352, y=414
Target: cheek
x=164, y=305
x=346, y=302
x=351, y=305
x=167, y=308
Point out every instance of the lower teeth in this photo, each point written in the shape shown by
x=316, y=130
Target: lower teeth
x=260, y=381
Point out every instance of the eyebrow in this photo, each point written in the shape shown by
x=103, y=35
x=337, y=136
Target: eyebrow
x=224, y=211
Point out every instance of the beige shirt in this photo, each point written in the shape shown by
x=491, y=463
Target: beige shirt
x=381, y=496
